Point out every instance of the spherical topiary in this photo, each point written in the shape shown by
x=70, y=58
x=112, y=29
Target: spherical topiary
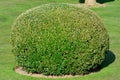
x=59, y=39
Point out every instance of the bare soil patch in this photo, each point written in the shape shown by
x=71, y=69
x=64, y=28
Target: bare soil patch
x=21, y=71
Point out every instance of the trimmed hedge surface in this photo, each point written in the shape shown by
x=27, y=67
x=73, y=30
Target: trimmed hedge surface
x=59, y=39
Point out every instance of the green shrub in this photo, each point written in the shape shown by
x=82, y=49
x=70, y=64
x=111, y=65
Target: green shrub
x=59, y=39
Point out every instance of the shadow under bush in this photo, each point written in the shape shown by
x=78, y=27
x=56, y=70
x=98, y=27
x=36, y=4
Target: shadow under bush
x=104, y=1
x=109, y=59
x=99, y=1
x=81, y=1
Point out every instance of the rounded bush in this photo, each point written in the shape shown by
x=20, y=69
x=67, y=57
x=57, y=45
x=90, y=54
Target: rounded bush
x=59, y=39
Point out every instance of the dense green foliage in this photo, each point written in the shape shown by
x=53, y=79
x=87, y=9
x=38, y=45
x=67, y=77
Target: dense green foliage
x=57, y=39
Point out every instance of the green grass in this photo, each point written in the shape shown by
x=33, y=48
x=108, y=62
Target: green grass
x=10, y=9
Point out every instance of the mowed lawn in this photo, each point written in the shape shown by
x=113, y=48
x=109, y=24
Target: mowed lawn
x=10, y=9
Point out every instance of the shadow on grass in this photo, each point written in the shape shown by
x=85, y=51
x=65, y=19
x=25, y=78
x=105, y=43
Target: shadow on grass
x=99, y=1
x=81, y=1
x=104, y=1
x=109, y=59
